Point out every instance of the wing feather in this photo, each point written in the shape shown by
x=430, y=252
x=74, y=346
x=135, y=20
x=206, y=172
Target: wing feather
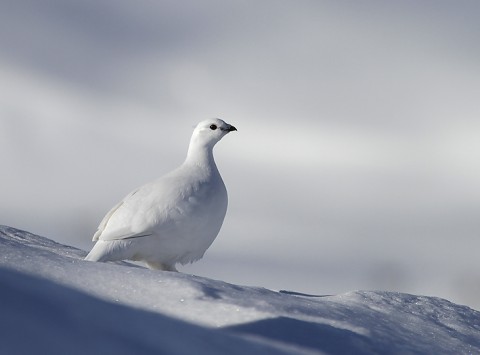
x=103, y=224
x=155, y=208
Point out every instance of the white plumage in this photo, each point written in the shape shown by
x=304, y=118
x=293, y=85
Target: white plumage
x=173, y=219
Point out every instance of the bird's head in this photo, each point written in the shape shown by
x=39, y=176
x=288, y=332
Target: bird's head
x=210, y=131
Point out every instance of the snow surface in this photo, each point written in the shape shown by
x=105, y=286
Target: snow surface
x=52, y=301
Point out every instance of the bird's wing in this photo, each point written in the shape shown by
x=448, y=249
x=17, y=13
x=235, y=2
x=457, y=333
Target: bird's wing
x=105, y=220
x=153, y=208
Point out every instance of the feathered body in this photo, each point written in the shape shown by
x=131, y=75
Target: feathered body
x=173, y=219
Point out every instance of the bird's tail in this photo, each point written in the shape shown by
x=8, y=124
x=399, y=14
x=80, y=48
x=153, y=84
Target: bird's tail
x=114, y=250
x=95, y=254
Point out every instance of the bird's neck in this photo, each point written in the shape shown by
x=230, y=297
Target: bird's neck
x=201, y=156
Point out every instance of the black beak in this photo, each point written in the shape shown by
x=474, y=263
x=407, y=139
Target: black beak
x=231, y=128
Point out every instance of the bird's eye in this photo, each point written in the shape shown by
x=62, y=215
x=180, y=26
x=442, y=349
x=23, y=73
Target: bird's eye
x=213, y=127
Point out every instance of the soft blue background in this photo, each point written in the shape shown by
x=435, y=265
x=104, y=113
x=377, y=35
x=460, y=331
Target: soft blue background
x=356, y=164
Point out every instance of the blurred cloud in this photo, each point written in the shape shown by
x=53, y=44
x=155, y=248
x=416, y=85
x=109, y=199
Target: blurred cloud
x=356, y=164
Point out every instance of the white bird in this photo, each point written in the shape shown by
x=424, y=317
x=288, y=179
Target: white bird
x=173, y=219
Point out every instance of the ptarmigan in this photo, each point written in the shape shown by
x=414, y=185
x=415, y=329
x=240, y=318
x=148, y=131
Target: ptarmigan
x=173, y=219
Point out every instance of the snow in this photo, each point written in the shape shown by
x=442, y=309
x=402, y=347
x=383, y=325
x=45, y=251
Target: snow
x=54, y=302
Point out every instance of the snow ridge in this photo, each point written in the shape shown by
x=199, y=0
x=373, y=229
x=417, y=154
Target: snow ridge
x=64, y=304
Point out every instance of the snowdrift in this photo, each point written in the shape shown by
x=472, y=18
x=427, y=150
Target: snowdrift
x=52, y=301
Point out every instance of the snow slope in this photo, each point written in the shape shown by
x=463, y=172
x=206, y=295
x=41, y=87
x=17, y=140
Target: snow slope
x=51, y=301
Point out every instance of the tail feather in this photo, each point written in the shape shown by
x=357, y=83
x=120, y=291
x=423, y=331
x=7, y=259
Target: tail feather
x=95, y=254
x=108, y=251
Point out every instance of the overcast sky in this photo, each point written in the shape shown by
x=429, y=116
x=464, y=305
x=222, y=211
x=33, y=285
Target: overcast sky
x=356, y=164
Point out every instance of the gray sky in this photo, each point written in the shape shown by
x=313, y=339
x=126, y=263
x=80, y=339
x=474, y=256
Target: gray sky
x=357, y=160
